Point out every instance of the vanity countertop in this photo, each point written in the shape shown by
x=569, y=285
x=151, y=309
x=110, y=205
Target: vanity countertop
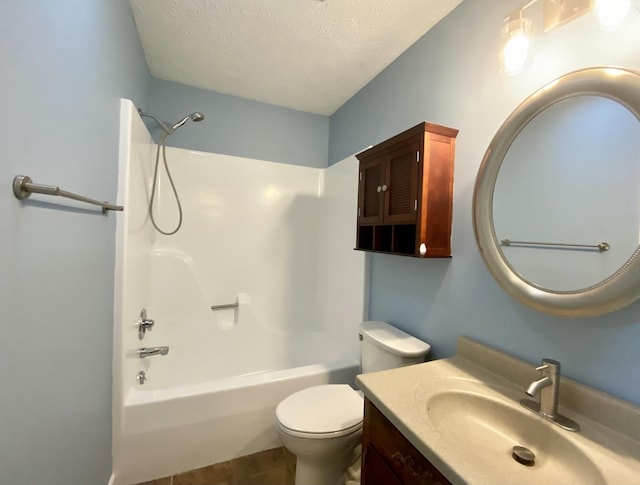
x=471, y=447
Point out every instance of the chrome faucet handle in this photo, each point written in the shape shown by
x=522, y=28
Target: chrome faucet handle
x=144, y=324
x=549, y=366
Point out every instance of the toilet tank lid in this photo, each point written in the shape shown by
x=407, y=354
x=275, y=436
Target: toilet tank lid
x=393, y=339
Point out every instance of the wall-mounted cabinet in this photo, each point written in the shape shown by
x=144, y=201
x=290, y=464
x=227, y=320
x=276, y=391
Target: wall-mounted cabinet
x=405, y=193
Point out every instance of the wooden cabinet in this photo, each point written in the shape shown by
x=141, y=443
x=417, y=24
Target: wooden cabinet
x=389, y=459
x=405, y=193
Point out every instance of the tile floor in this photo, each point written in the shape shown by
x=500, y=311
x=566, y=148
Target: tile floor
x=271, y=467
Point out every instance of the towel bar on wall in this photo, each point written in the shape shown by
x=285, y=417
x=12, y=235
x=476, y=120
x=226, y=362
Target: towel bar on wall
x=23, y=187
x=602, y=247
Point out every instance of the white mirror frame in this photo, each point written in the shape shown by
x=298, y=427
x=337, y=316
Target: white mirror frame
x=616, y=291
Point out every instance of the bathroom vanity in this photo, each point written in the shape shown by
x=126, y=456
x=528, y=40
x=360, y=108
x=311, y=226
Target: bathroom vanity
x=389, y=458
x=460, y=421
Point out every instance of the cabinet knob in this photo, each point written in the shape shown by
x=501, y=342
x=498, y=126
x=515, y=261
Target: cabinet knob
x=379, y=189
x=384, y=188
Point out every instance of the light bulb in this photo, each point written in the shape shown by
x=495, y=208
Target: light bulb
x=515, y=52
x=611, y=13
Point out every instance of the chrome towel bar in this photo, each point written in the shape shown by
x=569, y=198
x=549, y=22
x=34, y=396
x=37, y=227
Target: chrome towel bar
x=602, y=247
x=23, y=187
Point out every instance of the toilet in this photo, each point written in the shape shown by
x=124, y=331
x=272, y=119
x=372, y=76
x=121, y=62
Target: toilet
x=322, y=425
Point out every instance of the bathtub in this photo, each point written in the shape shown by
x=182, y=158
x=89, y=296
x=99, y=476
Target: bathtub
x=212, y=398
x=273, y=238
x=167, y=430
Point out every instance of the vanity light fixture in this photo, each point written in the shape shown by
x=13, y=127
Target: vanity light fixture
x=516, y=46
x=612, y=14
x=517, y=40
x=517, y=33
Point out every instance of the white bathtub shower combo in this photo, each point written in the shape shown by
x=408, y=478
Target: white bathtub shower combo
x=269, y=247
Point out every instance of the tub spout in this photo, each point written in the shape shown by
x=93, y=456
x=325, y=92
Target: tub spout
x=149, y=351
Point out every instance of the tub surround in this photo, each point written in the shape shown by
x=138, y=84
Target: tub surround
x=610, y=427
x=299, y=289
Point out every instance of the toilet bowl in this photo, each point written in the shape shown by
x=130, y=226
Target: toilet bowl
x=321, y=425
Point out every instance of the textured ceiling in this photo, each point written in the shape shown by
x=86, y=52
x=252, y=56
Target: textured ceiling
x=309, y=55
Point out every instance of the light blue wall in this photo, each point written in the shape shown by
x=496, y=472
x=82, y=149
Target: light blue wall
x=66, y=64
x=64, y=67
x=240, y=127
x=451, y=77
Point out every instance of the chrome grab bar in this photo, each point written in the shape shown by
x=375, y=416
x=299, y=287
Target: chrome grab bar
x=602, y=247
x=23, y=187
x=225, y=307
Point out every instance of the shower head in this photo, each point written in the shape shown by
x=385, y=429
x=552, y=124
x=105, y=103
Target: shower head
x=197, y=116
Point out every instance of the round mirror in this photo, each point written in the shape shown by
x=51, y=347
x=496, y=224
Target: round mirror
x=557, y=199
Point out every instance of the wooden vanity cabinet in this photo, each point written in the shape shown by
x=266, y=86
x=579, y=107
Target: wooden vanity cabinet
x=405, y=193
x=388, y=458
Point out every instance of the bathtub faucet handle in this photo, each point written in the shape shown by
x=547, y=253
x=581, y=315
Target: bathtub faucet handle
x=144, y=323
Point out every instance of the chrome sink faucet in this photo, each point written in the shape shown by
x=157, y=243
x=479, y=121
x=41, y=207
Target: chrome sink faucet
x=548, y=386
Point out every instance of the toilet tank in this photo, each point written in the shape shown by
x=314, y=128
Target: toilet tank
x=384, y=346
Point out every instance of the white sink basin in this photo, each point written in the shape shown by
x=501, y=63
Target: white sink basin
x=482, y=424
x=464, y=415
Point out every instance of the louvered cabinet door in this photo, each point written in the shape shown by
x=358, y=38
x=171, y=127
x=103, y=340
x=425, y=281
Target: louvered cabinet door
x=405, y=193
x=401, y=184
x=370, y=193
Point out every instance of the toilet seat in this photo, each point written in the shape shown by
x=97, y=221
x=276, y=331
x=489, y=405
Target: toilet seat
x=303, y=434
x=324, y=411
